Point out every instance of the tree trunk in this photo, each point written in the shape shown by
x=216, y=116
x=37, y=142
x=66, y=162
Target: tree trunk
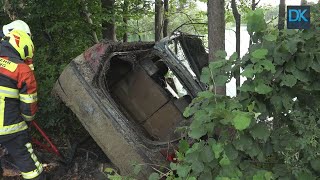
x=166, y=17
x=282, y=14
x=125, y=20
x=237, y=18
x=108, y=27
x=88, y=16
x=216, y=32
x=158, y=20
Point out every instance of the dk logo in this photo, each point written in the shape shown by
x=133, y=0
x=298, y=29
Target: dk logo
x=298, y=17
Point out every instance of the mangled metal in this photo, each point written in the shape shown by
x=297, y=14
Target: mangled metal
x=124, y=97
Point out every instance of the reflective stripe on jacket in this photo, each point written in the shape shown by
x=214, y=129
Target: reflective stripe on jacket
x=18, y=94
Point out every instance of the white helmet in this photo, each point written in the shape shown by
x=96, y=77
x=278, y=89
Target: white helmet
x=18, y=25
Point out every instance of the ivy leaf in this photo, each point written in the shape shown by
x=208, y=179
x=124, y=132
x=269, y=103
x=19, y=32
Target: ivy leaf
x=262, y=89
x=231, y=152
x=248, y=71
x=216, y=65
x=315, y=164
x=263, y=175
x=183, y=146
x=154, y=176
x=183, y=170
x=206, y=94
x=221, y=54
x=241, y=120
x=316, y=63
x=197, y=166
x=137, y=169
x=260, y=131
x=243, y=143
x=221, y=80
x=206, y=154
x=259, y=53
x=217, y=149
x=305, y=175
x=224, y=161
x=246, y=87
x=303, y=61
x=301, y=75
x=267, y=65
x=197, y=130
x=206, y=76
x=270, y=37
x=276, y=101
x=288, y=80
x=191, y=178
x=233, y=57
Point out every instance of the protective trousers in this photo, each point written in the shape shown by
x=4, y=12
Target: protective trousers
x=20, y=148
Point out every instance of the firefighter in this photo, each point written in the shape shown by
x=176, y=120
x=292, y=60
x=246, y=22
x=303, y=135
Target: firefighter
x=19, y=25
x=18, y=102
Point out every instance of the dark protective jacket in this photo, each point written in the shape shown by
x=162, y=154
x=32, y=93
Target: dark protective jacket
x=18, y=92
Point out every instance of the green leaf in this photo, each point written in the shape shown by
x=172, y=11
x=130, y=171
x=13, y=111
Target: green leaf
x=301, y=75
x=288, y=80
x=206, y=94
x=255, y=21
x=315, y=164
x=248, y=71
x=206, y=154
x=221, y=80
x=205, y=176
x=217, y=148
x=262, y=175
x=154, y=176
x=183, y=146
x=137, y=169
x=276, y=101
x=263, y=89
x=191, y=178
x=224, y=161
x=183, y=170
x=246, y=87
x=197, y=130
x=216, y=65
x=206, y=76
x=260, y=131
x=267, y=65
x=241, y=120
x=221, y=54
x=270, y=37
x=259, y=53
x=231, y=152
x=243, y=143
x=305, y=176
x=197, y=166
x=234, y=56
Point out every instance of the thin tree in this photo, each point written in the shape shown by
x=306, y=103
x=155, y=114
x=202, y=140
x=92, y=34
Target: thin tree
x=158, y=19
x=125, y=20
x=237, y=18
x=166, y=18
x=216, y=32
x=282, y=14
x=108, y=27
x=88, y=17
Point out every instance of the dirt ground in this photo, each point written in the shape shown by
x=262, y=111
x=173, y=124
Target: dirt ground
x=87, y=163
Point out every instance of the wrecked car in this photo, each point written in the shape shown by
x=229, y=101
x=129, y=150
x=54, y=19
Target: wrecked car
x=130, y=97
